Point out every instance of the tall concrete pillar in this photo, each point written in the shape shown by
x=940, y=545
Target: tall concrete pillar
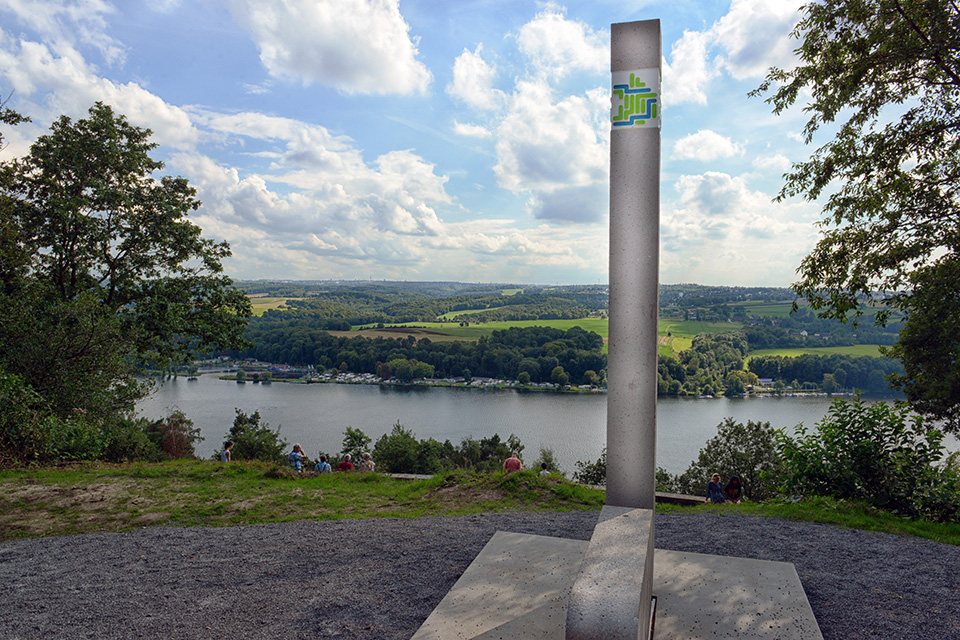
x=634, y=263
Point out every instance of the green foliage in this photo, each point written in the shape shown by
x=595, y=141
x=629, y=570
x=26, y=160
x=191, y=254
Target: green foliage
x=255, y=441
x=486, y=454
x=887, y=72
x=175, y=435
x=547, y=457
x=401, y=452
x=127, y=441
x=100, y=270
x=355, y=442
x=878, y=453
x=929, y=347
x=745, y=450
x=592, y=472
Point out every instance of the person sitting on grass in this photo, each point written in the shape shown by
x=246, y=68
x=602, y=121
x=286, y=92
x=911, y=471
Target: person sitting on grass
x=715, y=490
x=367, y=464
x=346, y=465
x=734, y=490
x=544, y=472
x=512, y=463
x=296, y=458
x=323, y=466
x=225, y=454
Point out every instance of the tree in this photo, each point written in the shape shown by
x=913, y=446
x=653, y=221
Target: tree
x=889, y=70
x=748, y=451
x=255, y=441
x=103, y=251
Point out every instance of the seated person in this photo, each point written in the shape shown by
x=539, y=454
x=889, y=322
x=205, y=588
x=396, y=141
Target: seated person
x=734, y=490
x=367, y=464
x=323, y=466
x=715, y=489
x=296, y=458
x=513, y=463
x=346, y=465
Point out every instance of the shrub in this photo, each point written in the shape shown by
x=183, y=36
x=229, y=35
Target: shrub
x=486, y=454
x=175, y=435
x=876, y=452
x=401, y=452
x=253, y=441
x=748, y=451
x=592, y=472
x=127, y=440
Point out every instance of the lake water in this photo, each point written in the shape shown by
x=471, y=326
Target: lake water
x=572, y=425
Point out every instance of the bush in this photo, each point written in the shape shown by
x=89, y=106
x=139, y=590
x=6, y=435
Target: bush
x=401, y=452
x=592, y=472
x=878, y=453
x=127, y=440
x=253, y=441
x=486, y=454
x=175, y=435
x=748, y=451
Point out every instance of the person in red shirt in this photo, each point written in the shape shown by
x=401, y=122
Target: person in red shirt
x=346, y=465
x=512, y=463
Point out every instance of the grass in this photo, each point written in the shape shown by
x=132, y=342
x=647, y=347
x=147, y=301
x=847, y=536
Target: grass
x=88, y=498
x=94, y=497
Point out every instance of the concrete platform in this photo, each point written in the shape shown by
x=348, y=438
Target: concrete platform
x=517, y=587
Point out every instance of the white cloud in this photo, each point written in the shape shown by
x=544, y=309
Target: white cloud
x=706, y=145
x=754, y=36
x=546, y=144
x=473, y=81
x=471, y=130
x=558, y=46
x=720, y=227
x=356, y=46
x=777, y=162
x=65, y=24
x=66, y=84
x=687, y=77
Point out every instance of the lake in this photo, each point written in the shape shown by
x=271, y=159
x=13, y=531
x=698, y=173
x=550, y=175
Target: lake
x=572, y=425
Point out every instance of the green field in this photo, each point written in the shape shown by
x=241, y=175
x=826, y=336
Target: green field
x=871, y=350
x=262, y=304
x=770, y=309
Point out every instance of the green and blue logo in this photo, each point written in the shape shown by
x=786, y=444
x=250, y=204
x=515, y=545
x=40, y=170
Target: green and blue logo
x=636, y=99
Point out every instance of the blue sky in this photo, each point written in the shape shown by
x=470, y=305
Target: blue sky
x=430, y=139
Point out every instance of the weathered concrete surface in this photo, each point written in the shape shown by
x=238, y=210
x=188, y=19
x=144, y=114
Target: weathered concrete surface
x=516, y=588
x=518, y=585
x=610, y=598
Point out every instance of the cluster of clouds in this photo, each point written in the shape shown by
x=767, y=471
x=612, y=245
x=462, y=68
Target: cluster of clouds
x=306, y=203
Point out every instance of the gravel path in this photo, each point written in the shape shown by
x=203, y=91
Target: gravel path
x=380, y=578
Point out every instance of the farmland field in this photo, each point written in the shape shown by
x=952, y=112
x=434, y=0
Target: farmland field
x=261, y=304
x=871, y=350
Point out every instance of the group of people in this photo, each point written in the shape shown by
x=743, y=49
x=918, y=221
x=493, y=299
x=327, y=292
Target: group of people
x=717, y=492
x=297, y=459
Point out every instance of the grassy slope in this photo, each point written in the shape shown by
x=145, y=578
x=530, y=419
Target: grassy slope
x=104, y=498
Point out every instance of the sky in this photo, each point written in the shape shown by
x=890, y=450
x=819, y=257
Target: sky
x=454, y=140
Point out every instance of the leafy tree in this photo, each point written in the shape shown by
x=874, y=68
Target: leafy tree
x=748, y=451
x=592, y=472
x=255, y=441
x=355, y=442
x=886, y=73
x=104, y=251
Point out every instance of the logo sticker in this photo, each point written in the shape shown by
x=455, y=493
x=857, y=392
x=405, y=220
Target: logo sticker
x=636, y=99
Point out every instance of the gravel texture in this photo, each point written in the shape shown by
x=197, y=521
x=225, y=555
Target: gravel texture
x=381, y=578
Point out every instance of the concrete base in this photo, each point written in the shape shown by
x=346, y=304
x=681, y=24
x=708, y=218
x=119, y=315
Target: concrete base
x=518, y=586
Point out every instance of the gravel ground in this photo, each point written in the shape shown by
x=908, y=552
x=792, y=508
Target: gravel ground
x=380, y=578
